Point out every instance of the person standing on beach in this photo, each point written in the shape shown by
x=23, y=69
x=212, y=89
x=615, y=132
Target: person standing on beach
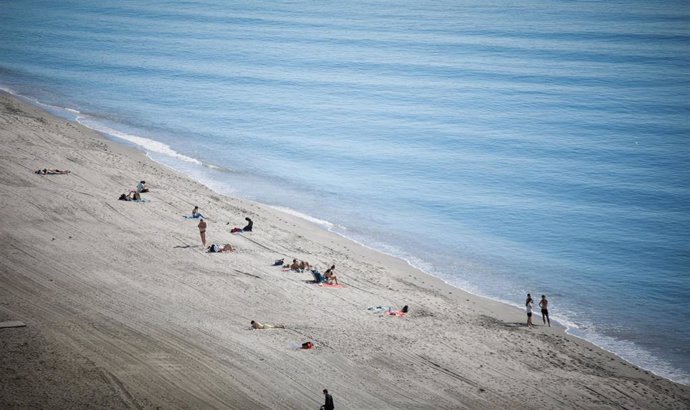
x=202, y=232
x=544, y=305
x=528, y=308
x=328, y=405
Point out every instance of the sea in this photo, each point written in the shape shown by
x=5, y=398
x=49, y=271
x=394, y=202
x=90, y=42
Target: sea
x=507, y=147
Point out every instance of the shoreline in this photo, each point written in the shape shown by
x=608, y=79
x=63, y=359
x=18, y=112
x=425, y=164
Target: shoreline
x=144, y=144
x=430, y=342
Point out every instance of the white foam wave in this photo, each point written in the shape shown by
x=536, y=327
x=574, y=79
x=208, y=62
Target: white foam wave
x=145, y=143
x=306, y=217
x=8, y=90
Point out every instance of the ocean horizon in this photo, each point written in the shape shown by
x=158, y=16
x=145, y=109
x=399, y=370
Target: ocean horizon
x=539, y=147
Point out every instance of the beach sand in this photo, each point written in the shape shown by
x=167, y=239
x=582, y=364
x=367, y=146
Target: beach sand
x=124, y=309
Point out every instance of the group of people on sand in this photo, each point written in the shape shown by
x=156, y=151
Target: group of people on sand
x=543, y=305
x=329, y=277
x=134, y=194
x=299, y=266
x=203, y=226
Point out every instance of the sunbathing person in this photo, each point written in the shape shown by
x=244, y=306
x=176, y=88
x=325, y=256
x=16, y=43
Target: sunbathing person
x=257, y=325
x=218, y=249
x=131, y=196
x=294, y=265
x=318, y=277
x=299, y=266
x=330, y=275
x=46, y=171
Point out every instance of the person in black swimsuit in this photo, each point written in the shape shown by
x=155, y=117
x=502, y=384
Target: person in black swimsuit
x=249, y=226
x=544, y=305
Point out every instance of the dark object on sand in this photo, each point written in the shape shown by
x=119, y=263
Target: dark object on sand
x=249, y=226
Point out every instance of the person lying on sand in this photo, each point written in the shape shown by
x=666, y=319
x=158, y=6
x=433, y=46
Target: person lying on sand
x=218, y=249
x=318, y=277
x=46, y=171
x=257, y=325
x=299, y=266
x=132, y=196
x=330, y=275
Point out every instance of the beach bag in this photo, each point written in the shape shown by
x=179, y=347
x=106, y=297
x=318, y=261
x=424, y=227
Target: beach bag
x=234, y=230
x=278, y=262
x=405, y=309
x=307, y=345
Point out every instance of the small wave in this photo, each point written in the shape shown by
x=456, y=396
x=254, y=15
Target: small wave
x=49, y=107
x=218, y=168
x=147, y=144
x=632, y=353
x=303, y=216
x=8, y=90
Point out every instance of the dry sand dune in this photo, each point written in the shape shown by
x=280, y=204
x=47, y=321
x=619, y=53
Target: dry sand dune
x=124, y=309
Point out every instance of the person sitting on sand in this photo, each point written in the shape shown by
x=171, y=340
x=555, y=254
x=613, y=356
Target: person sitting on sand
x=196, y=213
x=249, y=226
x=257, y=325
x=299, y=266
x=46, y=171
x=141, y=187
x=330, y=275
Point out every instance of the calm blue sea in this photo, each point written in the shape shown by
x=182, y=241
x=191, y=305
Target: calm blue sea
x=507, y=147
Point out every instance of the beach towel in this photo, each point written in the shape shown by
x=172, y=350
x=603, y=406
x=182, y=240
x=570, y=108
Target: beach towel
x=378, y=309
x=395, y=313
x=330, y=285
x=139, y=200
x=192, y=217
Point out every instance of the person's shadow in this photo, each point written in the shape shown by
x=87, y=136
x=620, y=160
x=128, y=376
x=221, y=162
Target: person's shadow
x=183, y=246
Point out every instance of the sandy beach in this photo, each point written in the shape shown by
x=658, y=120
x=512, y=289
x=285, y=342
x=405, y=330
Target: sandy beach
x=125, y=309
